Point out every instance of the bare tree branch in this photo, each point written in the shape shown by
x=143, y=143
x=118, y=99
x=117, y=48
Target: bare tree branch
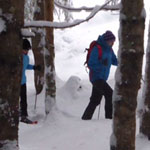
x=72, y=9
x=62, y=25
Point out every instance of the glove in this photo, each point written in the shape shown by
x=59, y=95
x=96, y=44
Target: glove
x=105, y=62
x=37, y=67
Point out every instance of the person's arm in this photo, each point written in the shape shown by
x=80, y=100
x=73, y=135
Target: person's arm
x=30, y=67
x=33, y=67
x=114, y=59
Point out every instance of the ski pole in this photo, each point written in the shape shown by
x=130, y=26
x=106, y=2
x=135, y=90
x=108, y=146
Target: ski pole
x=98, y=111
x=36, y=94
x=35, y=101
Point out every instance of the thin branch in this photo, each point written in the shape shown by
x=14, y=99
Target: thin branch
x=72, y=9
x=62, y=25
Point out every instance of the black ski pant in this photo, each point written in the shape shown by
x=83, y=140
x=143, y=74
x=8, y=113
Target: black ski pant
x=23, y=100
x=100, y=88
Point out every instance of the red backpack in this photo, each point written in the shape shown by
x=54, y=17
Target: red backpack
x=89, y=50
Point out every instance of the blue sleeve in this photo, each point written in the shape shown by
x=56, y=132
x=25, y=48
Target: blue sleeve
x=114, y=59
x=94, y=63
x=30, y=67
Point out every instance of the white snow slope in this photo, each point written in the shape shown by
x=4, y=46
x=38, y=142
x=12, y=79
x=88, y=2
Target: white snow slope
x=63, y=128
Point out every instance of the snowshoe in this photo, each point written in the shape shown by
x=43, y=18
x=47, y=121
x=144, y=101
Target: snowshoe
x=27, y=121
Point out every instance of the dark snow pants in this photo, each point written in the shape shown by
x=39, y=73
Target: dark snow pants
x=23, y=100
x=100, y=88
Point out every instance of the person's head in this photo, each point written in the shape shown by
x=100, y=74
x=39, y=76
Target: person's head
x=109, y=37
x=26, y=46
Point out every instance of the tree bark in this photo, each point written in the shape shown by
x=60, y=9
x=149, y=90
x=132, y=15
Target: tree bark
x=49, y=59
x=10, y=74
x=128, y=74
x=145, y=117
x=38, y=48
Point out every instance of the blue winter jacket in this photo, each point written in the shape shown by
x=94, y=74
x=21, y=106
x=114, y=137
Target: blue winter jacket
x=26, y=66
x=100, y=67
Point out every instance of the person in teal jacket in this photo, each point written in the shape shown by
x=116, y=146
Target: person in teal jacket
x=99, y=71
x=23, y=92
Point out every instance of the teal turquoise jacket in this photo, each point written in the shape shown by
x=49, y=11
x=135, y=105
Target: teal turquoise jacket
x=26, y=66
x=100, y=67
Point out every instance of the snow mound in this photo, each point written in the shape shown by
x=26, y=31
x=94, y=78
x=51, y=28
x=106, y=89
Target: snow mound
x=71, y=88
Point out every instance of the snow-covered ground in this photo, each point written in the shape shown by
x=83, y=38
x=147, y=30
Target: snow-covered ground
x=63, y=129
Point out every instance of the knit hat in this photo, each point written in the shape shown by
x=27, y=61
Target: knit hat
x=108, y=36
x=26, y=44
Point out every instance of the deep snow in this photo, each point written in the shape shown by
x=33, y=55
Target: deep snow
x=63, y=129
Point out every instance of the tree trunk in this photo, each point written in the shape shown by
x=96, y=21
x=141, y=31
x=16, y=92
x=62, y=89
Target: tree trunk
x=38, y=48
x=10, y=74
x=49, y=59
x=145, y=118
x=128, y=74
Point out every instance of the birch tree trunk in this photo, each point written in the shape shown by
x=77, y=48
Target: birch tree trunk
x=145, y=117
x=12, y=14
x=38, y=48
x=128, y=74
x=49, y=59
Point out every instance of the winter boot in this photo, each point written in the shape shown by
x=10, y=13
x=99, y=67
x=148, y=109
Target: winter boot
x=26, y=120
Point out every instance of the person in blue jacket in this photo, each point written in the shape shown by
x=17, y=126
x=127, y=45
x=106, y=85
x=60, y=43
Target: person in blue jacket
x=23, y=92
x=99, y=72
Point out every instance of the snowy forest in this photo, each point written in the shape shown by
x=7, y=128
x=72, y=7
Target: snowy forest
x=57, y=94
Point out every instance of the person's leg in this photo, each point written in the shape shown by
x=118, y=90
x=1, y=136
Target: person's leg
x=89, y=111
x=108, y=100
x=23, y=100
x=95, y=99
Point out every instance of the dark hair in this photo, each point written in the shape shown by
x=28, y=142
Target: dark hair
x=26, y=44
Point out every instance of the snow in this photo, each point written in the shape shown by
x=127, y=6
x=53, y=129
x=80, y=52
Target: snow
x=143, y=13
x=27, y=33
x=10, y=145
x=63, y=129
x=2, y=25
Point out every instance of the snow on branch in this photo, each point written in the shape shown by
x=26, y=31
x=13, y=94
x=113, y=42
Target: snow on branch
x=72, y=9
x=27, y=33
x=61, y=25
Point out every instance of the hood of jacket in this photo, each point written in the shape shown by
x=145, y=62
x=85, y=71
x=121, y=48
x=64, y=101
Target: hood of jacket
x=103, y=43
